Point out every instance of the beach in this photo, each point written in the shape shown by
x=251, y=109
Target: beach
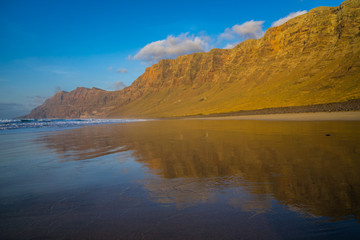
x=186, y=120
x=348, y=110
x=307, y=116
x=182, y=179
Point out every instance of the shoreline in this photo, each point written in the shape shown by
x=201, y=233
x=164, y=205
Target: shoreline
x=307, y=116
x=348, y=111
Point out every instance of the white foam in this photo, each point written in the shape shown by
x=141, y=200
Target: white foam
x=43, y=123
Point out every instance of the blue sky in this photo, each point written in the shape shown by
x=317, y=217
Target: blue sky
x=52, y=45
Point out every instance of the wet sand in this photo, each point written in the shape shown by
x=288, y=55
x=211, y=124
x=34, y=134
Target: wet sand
x=317, y=116
x=182, y=179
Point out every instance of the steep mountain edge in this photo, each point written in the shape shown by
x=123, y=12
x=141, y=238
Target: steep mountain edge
x=311, y=59
x=80, y=103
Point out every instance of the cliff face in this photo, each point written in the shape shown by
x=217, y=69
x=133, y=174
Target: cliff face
x=82, y=102
x=311, y=59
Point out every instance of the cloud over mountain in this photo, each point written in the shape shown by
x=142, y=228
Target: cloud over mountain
x=172, y=47
x=119, y=85
x=248, y=30
x=281, y=21
x=241, y=32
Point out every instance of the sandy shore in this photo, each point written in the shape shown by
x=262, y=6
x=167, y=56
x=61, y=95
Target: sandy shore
x=317, y=116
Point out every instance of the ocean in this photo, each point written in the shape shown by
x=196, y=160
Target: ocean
x=7, y=124
x=179, y=179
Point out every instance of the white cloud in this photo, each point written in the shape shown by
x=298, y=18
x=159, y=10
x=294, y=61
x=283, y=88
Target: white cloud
x=281, y=21
x=231, y=45
x=119, y=85
x=241, y=32
x=122, y=70
x=172, y=47
x=227, y=34
x=248, y=30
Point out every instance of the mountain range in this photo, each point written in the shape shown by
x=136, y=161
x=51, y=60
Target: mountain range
x=311, y=59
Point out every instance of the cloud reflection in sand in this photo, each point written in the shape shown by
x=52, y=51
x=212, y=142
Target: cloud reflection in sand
x=250, y=163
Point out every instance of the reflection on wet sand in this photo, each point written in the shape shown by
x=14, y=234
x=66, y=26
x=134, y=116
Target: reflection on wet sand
x=311, y=167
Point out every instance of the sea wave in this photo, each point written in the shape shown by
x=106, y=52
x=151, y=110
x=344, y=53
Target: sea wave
x=6, y=124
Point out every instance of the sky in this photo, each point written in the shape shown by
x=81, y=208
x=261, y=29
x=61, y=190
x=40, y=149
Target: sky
x=52, y=45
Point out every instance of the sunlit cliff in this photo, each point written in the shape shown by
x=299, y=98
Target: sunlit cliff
x=311, y=59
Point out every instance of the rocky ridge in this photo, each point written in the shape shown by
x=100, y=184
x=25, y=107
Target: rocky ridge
x=311, y=59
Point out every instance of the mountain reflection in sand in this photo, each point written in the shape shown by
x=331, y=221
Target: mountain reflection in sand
x=311, y=167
